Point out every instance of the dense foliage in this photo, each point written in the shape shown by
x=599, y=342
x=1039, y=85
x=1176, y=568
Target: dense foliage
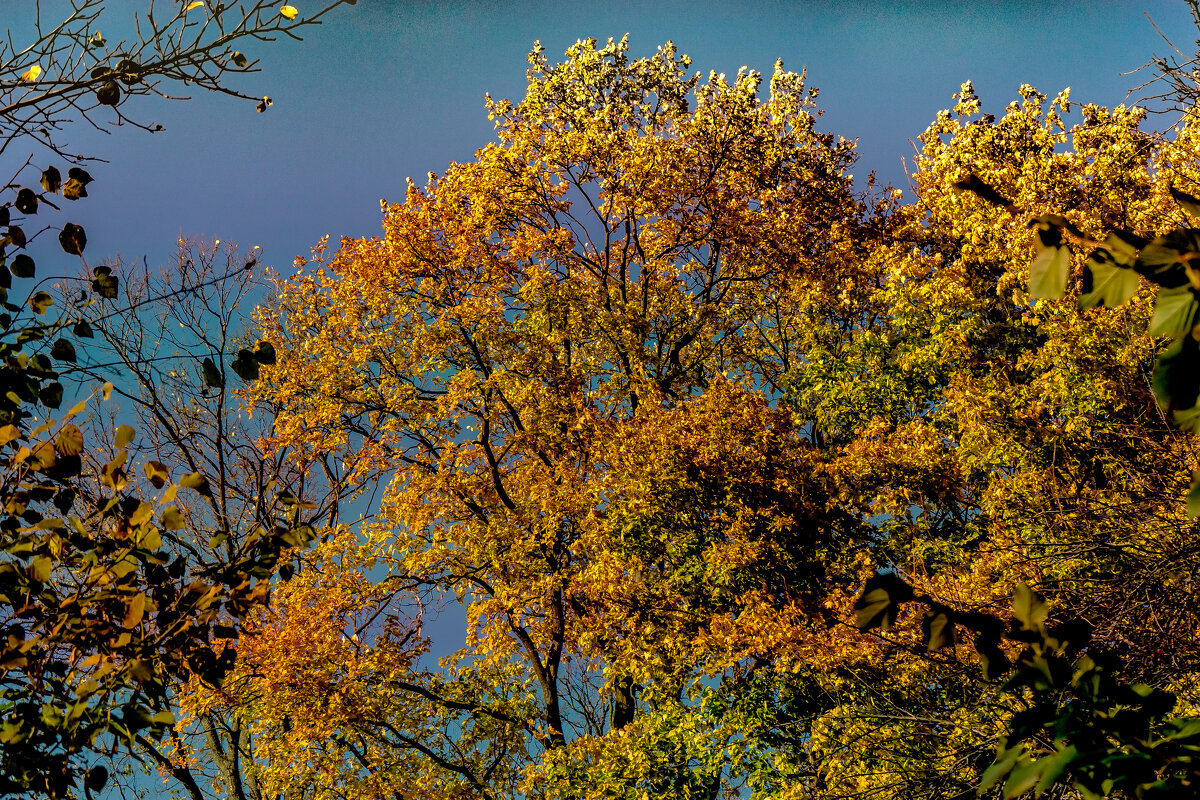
x=652, y=391
x=671, y=410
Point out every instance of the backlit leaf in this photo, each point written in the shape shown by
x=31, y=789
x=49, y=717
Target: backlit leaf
x=72, y=239
x=51, y=179
x=1029, y=607
x=40, y=301
x=69, y=441
x=1189, y=203
x=1176, y=377
x=1105, y=283
x=212, y=375
x=1174, y=312
x=123, y=436
x=22, y=266
x=1161, y=261
x=1048, y=273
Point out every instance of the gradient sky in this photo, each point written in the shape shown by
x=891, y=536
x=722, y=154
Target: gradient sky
x=392, y=88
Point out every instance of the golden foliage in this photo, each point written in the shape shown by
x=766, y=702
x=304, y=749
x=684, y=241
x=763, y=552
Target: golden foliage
x=649, y=389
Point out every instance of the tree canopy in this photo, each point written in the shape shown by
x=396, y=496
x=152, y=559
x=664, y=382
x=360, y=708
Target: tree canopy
x=750, y=481
x=652, y=390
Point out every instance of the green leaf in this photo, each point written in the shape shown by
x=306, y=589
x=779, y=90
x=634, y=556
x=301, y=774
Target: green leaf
x=72, y=239
x=9, y=433
x=1189, y=203
x=298, y=536
x=157, y=473
x=82, y=329
x=196, y=481
x=135, y=610
x=938, y=629
x=1005, y=761
x=1048, y=273
x=104, y=283
x=1161, y=260
x=27, y=201
x=1106, y=283
x=1176, y=377
x=51, y=395
x=163, y=718
x=63, y=350
x=39, y=568
x=1052, y=226
x=109, y=93
x=10, y=732
x=1029, y=607
x=171, y=518
x=239, y=59
x=69, y=441
x=1187, y=419
x=74, y=189
x=992, y=660
x=1023, y=778
x=878, y=604
x=1193, y=497
x=974, y=184
x=1125, y=246
x=212, y=375
x=246, y=366
x=129, y=70
x=97, y=776
x=22, y=266
x=1174, y=312
x=79, y=174
x=264, y=352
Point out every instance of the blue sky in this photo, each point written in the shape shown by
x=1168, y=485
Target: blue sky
x=391, y=88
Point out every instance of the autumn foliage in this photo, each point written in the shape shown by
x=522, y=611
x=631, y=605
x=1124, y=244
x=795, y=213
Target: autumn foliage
x=651, y=389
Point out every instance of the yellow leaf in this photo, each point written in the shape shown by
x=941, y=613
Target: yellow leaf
x=30, y=75
x=8, y=433
x=171, y=518
x=134, y=611
x=124, y=435
x=195, y=4
x=288, y=11
x=143, y=514
x=148, y=538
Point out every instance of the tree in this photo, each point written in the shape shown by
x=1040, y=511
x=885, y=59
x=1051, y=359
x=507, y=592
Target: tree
x=100, y=609
x=100, y=612
x=1107, y=734
x=68, y=72
x=566, y=356
x=1072, y=474
x=653, y=390
x=192, y=315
